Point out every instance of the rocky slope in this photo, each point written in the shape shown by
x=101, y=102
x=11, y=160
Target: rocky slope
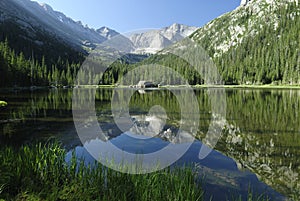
x=156, y=40
x=257, y=43
x=33, y=17
x=247, y=20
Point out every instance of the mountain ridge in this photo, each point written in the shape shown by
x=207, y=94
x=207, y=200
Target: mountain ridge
x=34, y=17
x=255, y=44
x=155, y=40
x=42, y=16
x=53, y=44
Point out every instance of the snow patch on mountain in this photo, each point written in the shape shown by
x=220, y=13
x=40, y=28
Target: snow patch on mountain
x=107, y=32
x=156, y=40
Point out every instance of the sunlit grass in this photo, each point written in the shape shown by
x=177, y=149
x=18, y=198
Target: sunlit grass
x=40, y=172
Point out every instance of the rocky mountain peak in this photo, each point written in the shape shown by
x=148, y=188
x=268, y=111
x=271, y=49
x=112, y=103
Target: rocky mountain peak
x=156, y=40
x=107, y=32
x=46, y=7
x=175, y=27
x=34, y=17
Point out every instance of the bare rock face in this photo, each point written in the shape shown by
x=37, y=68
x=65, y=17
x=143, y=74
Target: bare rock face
x=156, y=40
x=244, y=2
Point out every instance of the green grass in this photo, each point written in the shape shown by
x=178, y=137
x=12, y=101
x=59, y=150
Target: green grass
x=40, y=172
x=3, y=103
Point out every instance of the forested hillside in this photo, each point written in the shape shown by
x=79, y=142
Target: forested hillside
x=268, y=51
x=18, y=70
x=254, y=44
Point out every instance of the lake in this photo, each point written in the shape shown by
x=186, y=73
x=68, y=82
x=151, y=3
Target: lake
x=260, y=146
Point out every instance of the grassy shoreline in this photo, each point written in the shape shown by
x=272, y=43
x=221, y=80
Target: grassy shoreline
x=40, y=172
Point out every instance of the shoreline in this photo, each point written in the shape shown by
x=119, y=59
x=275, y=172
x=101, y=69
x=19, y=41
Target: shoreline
x=249, y=86
x=47, y=174
x=33, y=88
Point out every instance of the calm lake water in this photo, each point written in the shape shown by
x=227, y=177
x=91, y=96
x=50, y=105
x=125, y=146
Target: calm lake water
x=260, y=146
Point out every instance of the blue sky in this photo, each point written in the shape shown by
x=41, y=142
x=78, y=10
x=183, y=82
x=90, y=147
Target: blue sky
x=129, y=15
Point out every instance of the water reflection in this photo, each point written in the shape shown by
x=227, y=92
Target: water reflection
x=148, y=126
x=136, y=126
x=269, y=139
x=262, y=131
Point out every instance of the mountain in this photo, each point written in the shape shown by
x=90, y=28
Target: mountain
x=107, y=32
x=156, y=40
x=41, y=46
x=37, y=22
x=46, y=41
x=33, y=17
x=257, y=43
x=149, y=42
x=249, y=19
